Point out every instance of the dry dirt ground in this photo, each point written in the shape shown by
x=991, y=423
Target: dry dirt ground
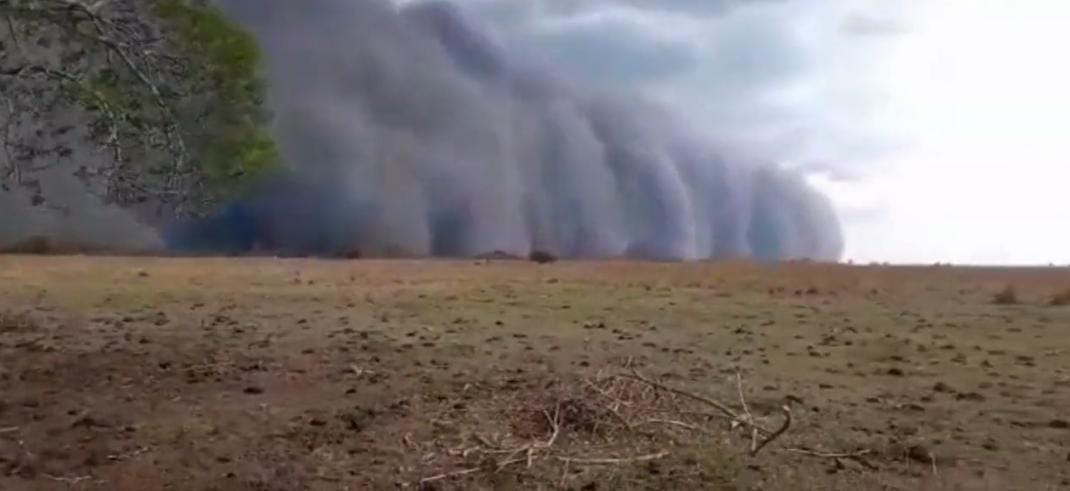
x=232, y=374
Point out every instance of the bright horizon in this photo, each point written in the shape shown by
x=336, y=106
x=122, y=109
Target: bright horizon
x=938, y=129
x=983, y=101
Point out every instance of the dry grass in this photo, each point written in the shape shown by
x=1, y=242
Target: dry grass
x=299, y=374
x=1007, y=296
x=1060, y=299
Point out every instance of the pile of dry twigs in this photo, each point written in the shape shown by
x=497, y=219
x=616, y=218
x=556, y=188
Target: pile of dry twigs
x=620, y=416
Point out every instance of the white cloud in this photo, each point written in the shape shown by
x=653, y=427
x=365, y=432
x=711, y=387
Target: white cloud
x=939, y=127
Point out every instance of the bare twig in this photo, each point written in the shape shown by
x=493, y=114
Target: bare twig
x=725, y=411
x=359, y=371
x=746, y=412
x=786, y=408
x=68, y=480
x=131, y=46
x=128, y=455
x=173, y=136
x=829, y=455
x=614, y=407
x=742, y=400
x=639, y=398
x=9, y=122
x=681, y=424
x=449, y=475
x=10, y=429
x=471, y=470
x=614, y=461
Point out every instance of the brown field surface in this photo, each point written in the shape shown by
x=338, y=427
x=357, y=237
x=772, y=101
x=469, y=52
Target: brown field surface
x=265, y=374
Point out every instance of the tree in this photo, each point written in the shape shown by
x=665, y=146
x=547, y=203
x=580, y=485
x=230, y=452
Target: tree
x=156, y=104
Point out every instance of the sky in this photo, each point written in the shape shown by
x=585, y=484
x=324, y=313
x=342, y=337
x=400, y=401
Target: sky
x=938, y=128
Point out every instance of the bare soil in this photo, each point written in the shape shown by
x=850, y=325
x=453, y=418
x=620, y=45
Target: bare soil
x=266, y=374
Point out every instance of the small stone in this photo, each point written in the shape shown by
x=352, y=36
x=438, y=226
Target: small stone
x=253, y=390
x=1060, y=424
x=895, y=372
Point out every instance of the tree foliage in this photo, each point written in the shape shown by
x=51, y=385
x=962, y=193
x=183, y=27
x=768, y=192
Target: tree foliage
x=151, y=103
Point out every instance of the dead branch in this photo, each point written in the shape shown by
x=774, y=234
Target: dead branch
x=723, y=409
x=174, y=137
x=128, y=455
x=634, y=400
x=9, y=123
x=449, y=475
x=615, y=461
x=786, y=408
x=828, y=455
x=68, y=480
x=131, y=46
x=746, y=412
x=681, y=424
x=614, y=409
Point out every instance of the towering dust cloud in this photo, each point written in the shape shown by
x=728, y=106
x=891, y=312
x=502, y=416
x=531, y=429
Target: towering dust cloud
x=409, y=131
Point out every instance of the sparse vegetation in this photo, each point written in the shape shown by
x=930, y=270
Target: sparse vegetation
x=1007, y=296
x=301, y=374
x=1060, y=299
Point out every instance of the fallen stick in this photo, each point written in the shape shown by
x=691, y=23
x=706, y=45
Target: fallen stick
x=723, y=409
x=448, y=475
x=614, y=461
x=776, y=434
x=829, y=455
x=471, y=470
x=681, y=424
x=69, y=480
x=746, y=411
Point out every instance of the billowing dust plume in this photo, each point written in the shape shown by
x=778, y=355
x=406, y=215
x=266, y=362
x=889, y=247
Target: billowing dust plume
x=410, y=131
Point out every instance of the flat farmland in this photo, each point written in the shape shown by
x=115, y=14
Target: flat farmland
x=268, y=374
